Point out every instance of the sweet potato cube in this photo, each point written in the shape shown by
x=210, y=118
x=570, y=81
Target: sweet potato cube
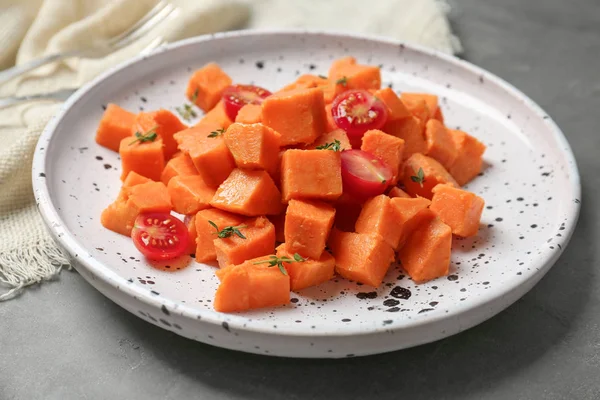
x=249, y=193
x=459, y=209
x=115, y=126
x=250, y=286
x=191, y=226
x=439, y=115
x=426, y=254
x=298, y=115
x=380, y=217
x=440, y=145
x=386, y=147
x=149, y=197
x=396, y=108
x=180, y=165
x=217, y=116
x=249, y=114
x=132, y=179
x=118, y=217
x=253, y=146
x=411, y=131
x=206, y=86
x=355, y=76
x=331, y=137
x=397, y=192
x=468, y=160
x=206, y=233
x=310, y=272
x=164, y=123
x=307, y=226
x=311, y=174
x=259, y=240
x=233, y=293
x=144, y=158
x=433, y=174
x=410, y=212
x=423, y=104
x=361, y=258
x=210, y=155
x=190, y=194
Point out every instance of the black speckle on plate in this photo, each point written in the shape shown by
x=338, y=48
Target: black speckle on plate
x=225, y=326
x=164, y=310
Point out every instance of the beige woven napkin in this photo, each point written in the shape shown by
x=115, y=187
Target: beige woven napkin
x=32, y=28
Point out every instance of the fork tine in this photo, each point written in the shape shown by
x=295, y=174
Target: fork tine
x=149, y=15
x=168, y=11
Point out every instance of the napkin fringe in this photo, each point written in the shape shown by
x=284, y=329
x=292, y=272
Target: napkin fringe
x=23, y=267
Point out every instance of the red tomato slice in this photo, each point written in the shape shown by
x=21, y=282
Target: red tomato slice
x=363, y=174
x=357, y=111
x=237, y=96
x=160, y=236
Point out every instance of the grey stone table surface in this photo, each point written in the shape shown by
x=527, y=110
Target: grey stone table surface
x=64, y=340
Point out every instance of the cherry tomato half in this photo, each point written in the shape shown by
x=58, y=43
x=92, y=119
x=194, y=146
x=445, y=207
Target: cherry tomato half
x=160, y=236
x=237, y=96
x=357, y=111
x=363, y=174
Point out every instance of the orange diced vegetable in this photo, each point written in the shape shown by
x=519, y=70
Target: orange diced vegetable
x=206, y=233
x=190, y=194
x=253, y=146
x=426, y=254
x=259, y=240
x=380, y=217
x=217, y=116
x=144, y=158
x=440, y=144
x=250, y=285
x=361, y=258
x=206, y=86
x=164, y=123
x=469, y=157
x=433, y=174
x=298, y=115
x=396, y=108
x=179, y=165
x=307, y=226
x=411, y=212
x=459, y=209
x=411, y=131
x=386, y=147
x=414, y=102
x=249, y=193
x=308, y=272
x=311, y=174
x=115, y=126
x=355, y=76
x=249, y=114
x=331, y=137
x=210, y=155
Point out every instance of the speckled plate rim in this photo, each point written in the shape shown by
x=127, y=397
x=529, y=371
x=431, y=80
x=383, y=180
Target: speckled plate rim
x=237, y=321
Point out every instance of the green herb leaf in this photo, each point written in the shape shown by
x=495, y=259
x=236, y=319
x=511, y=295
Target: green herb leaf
x=419, y=178
x=342, y=81
x=334, y=146
x=194, y=96
x=187, y=112
x=228, y=230
x=149, y=136
x=216, y=133
x=275, y=261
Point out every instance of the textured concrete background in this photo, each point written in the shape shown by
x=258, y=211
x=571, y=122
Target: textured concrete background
x=64, y=340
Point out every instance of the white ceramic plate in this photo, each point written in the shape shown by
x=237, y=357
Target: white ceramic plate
x=530, y=184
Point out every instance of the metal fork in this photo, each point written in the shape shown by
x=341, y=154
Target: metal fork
x=63, y=94
x=156, y=15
